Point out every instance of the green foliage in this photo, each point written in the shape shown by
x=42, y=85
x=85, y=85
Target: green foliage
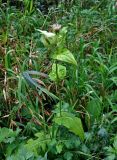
x=8, y=135
x=61, y=52
x=58, y=80
x=112, y=151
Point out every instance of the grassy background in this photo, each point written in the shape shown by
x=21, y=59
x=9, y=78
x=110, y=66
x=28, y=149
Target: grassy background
x=88, y=91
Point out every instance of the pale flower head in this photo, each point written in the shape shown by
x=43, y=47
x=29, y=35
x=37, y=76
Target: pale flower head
x=56, y=27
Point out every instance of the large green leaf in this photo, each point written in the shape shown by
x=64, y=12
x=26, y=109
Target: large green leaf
x=71, y=122
x=66, y=56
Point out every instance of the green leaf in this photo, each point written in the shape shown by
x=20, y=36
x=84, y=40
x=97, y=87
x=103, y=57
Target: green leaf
x=8, y=59
x=114, y=120
x=22, y=153
x=43, y=158
x=40, y=143
x=58, y=72
x=114, y=79
x=8, y=135
x=63, y=31
x=59, y=148
x=111, y=157
x=66, y=56
x=68, y=156
x=115, y=144
x=113, y=68
x=94, y=111
x=71, y=122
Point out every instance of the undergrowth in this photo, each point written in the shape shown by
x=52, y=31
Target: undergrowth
x=58, y=80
